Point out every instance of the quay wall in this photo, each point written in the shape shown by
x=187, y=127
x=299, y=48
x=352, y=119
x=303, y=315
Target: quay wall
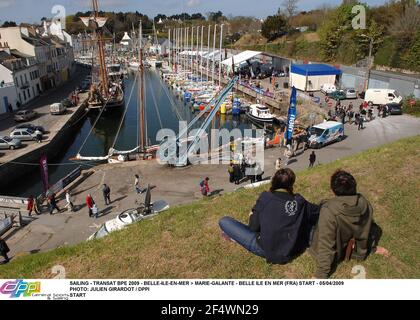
x=12, y=172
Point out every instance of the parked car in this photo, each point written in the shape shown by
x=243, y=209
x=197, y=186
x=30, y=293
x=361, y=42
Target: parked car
x=26, y=134
x=337, y=95
x=350, y=93
x=57, y=108
x=31, y=126
x=328, y=88
x=25, y=115
x=382, y=96
x=9, y=143
x=395, y=108
x=67, y=103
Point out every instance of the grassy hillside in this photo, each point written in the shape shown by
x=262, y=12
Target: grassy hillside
x=185, y=242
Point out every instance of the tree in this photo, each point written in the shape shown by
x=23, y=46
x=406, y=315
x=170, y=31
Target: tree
x=215, y=16
x=290, y=6
x=7, y=24
x=274, y=27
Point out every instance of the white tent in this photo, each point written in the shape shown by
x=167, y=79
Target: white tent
x=241, y=57
x=126, y=39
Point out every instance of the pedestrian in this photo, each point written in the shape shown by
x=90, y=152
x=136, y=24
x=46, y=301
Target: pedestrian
x=38, y=136
x=231, y=173
x=278, y=164
x=4, y=250
x=288, y=153
x=106, y=191
x=312, y=159
x=53, y=203
x=69, y=201
x=137, y=183
x=30, y=205
x=90, y=203
x=237, y=173
x=204, y=187
x=360, y=124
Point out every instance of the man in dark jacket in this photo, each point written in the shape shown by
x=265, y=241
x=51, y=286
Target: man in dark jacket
x=312, y=159
x=344, y=227
x=4, y=249
x=280, y=223
x=106, y=191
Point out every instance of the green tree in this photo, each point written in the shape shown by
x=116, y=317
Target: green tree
x=274, y=26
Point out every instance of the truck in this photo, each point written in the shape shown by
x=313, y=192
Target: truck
x=382, y=97
x=325, y=133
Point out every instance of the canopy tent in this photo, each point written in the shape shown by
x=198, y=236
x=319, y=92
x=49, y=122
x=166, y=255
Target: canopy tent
x=241, y=57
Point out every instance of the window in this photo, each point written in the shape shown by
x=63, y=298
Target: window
x=24, y=95
x=26, y=78
x=17, y=82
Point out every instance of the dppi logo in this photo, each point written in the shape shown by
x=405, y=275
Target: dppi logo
x=20, y=287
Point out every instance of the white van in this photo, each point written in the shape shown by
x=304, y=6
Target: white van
x=57, y=108
x=327, y=88
x=382, y=96
x=325, y=133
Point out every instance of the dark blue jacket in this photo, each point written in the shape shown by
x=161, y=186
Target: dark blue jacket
x=284, y=223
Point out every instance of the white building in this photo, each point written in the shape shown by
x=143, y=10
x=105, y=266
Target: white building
x=23, y=71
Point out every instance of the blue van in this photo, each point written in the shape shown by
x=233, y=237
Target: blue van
x=325, y=133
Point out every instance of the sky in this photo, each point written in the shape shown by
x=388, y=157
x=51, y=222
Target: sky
x=33, y=10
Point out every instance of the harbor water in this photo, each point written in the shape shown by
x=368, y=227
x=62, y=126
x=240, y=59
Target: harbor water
x=163, y=109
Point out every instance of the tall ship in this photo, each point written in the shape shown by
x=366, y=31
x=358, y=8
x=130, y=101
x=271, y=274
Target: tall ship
x=107, y=90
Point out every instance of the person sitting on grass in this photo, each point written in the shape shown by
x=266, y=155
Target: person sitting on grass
x=345, y=228
x=280, y=223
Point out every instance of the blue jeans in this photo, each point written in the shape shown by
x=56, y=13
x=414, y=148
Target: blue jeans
x=241, y=234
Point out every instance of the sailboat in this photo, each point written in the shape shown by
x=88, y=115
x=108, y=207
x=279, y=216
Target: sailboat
x=107, y=92
x=142, y=151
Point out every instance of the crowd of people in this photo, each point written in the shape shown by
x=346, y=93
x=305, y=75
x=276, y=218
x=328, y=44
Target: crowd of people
x=283, y=224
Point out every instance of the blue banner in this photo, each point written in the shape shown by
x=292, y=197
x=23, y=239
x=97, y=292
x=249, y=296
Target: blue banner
x=291, y=115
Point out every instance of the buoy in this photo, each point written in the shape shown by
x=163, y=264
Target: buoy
x=223, y=108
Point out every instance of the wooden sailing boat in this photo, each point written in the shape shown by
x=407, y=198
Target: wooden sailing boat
x=107, y=93
x=143, y=151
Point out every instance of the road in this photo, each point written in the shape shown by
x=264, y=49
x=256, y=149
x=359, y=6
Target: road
x=178, y=186
x=51, y=123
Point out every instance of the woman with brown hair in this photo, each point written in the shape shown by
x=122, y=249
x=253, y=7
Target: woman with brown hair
x=280, y=224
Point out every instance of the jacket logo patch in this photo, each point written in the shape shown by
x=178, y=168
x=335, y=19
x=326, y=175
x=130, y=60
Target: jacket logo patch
x=291, y=208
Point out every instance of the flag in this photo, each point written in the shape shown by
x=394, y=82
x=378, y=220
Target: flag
x=44, y=172
x=291, y=115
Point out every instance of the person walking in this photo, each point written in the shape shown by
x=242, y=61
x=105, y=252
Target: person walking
x=90, y=203
x=204, y=187
x=69, y=201
x=360, y=126
x=53, y=203
x=237, y=173
x=30, y=205
x=278, y=164
x=231, y=173
x=137, y=183
x=106, y=191
x=4, y=250
x=312, y=159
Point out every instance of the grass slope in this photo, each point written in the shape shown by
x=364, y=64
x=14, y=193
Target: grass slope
x=185, y=242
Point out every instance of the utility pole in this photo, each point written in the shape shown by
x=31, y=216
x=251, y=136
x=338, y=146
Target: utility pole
x=369, y=63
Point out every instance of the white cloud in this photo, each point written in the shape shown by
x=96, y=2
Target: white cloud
x=193, y=3
x=7, y=3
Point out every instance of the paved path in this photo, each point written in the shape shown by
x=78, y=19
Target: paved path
x=178, y=186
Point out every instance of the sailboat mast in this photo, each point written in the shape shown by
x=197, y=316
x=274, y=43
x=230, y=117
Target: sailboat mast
x=99, y=32
x=142, y=130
